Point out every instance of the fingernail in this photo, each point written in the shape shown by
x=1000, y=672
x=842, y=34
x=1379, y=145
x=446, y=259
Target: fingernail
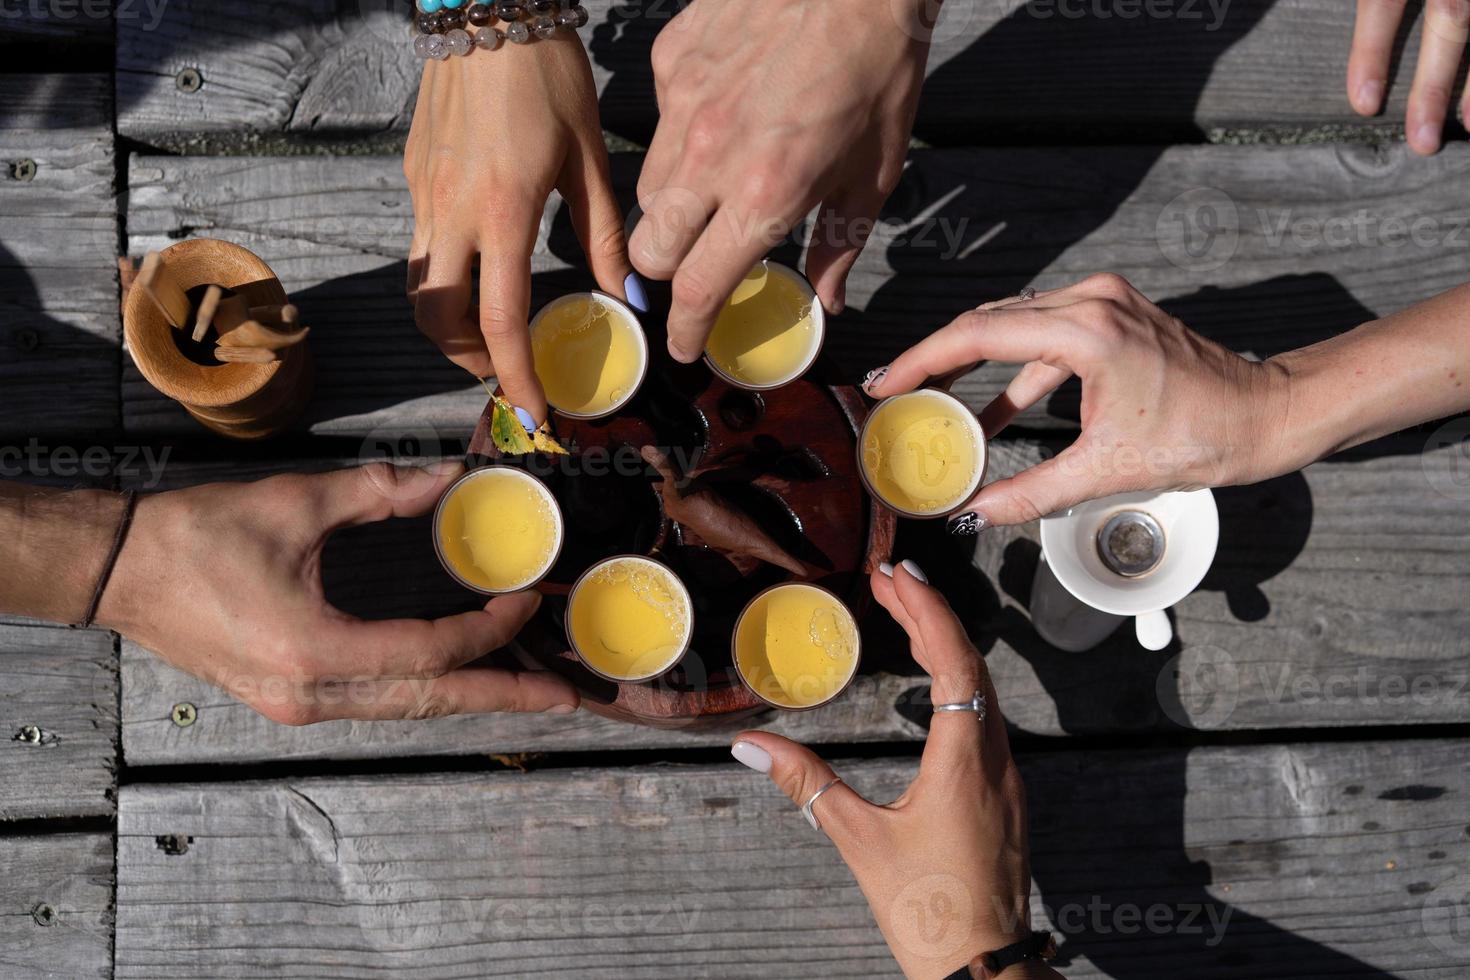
x=1370, y=96
x=636, y=292
x=914, y=570
x=527, y=420
x=1426, y=138
x=874, y=378
x=886, y=568
x=561, y=709
x=968, y=525
x=751, y=756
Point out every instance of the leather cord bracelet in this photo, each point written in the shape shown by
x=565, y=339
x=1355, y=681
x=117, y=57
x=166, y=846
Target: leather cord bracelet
x=1038, y=946
x=130, y=505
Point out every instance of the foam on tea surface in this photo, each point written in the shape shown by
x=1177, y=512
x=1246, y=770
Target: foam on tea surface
x=629, y=618
x=589, y=354
x=498, y=530
x=796, y=646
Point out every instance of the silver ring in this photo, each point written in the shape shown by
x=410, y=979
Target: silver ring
x=1028, y=293
x=806, y=809
x=975, y=705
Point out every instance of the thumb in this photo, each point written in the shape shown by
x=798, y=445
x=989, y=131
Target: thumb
x=800, y=773
x=378, y=491
x=1045, y=488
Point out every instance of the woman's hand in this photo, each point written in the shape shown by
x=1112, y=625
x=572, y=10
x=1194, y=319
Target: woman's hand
x=1446, y=27
x=1162, y=407
x=224, y=581
x=946, y=867
x=494, y=133
x=767, y=109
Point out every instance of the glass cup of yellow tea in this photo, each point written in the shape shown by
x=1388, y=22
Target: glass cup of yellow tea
x=796, y=646
x=922, y=454
x=590, y=353
x=770, y=332
x=629, y=619
x=498, y=530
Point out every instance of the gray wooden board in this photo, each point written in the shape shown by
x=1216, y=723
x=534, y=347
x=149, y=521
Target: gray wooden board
x=59, y=324
x=70, y=876
x=64, y=683
x=1311, y=860
x=26, y=23
x=321, y=66
x=1337, y=598
x=1313, y=241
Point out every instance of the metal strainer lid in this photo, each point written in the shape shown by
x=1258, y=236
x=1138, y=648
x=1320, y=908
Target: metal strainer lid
x=1131, y=543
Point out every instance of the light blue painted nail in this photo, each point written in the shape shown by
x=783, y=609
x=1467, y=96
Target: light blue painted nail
x=528, y=421
x=636, y=292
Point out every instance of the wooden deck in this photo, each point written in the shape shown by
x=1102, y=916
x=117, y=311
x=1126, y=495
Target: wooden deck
x=1283, y=792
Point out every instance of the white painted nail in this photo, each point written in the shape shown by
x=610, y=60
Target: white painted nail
x=886, y=568
x=752, y=756
x=915, y=571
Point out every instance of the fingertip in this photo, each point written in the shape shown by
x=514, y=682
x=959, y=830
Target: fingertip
x=1367, y=97
x=1424, y=139
x=680, y=353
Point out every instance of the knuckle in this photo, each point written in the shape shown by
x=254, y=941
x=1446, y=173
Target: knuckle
x=433, y=704
x=1109, y=285
x=1455, y=12
x=692, y=292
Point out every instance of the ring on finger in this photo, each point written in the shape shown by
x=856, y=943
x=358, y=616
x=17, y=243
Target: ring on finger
x=975, y=705
x=806, y=808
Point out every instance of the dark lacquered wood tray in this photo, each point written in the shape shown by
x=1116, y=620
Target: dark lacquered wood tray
x=786, y=458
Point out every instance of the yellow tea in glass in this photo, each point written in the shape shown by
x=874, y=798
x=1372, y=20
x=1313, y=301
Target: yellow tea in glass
x=796, y=646
x=922, y=454
x=629, y=619
x=590, y=353
x=770, y=332
x=498, y=530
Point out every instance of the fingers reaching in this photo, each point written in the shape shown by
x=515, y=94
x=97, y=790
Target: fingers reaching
x=597, y=218
x=800, y=773
x=843, y=226
x=440, y=288
x=1446, y=28
x=1373, y=41
x=505, y=312
x=723, y=256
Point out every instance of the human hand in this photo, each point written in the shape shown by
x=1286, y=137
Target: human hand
x=767, y=109
x=224, y=581
x=494, y=133
x=946, y=867
x=1446, y=27
x=1162, y=407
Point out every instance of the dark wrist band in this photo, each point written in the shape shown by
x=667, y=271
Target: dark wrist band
x=130, y=504
x=457, y=27
x=1037, y=946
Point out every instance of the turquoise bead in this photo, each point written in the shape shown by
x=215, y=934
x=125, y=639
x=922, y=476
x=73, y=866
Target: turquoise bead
x=430, y=6
x=453, y=4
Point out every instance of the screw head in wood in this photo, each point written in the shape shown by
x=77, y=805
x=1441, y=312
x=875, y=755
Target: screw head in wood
x=189, y=80
x=184, y=714
x=44, y=914
x=23, y=170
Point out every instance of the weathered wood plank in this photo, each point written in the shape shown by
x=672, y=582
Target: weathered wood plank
x=59, y=325
x=1037, y=67
x=56, y=913
x=28, y=23
x=1337, y=599
x=1325, y=857
x=58, y=722
x=962, y=228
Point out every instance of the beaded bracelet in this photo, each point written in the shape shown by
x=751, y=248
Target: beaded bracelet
x=441, y=24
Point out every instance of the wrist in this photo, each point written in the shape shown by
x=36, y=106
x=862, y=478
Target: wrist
x=124, y=605
x=55, y=548
x=1313, y=410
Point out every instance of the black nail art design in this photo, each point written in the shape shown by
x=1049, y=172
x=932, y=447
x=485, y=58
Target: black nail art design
x=966, y=525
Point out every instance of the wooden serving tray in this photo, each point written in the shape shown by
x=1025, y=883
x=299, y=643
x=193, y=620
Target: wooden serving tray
x=787, y=458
